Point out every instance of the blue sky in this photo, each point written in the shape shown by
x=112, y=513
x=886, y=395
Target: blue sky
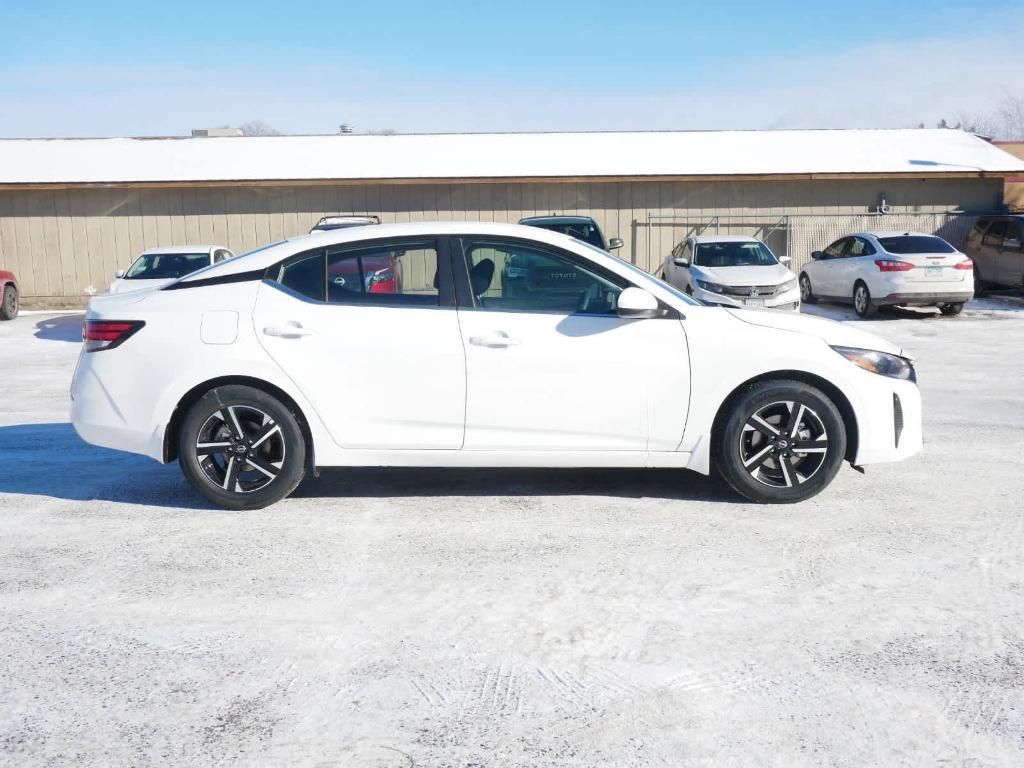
x=106, y=68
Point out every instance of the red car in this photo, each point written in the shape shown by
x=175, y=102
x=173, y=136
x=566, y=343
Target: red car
x=8, y=295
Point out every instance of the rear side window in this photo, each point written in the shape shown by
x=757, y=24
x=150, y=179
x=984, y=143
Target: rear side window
x=402, y=274
x=910, y=244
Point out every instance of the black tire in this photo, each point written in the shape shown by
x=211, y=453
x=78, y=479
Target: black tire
x=980, y=286
x=951, y=309
x=766, y=468
x=9, y=303
x=241, y=430
x=862, y=302
x=806, y=294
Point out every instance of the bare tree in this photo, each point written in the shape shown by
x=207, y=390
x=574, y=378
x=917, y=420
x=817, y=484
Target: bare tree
x=1010, y=117
x=258, y=128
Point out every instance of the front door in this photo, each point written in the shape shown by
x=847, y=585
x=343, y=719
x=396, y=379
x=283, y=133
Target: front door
x=551, y=366
x=370, y=335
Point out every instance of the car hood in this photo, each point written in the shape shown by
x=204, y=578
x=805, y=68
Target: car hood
x=120, y=285
x=772, y=275
x=830, y=331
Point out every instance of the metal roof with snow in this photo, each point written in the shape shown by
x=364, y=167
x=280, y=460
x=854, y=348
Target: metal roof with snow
x=807, y=153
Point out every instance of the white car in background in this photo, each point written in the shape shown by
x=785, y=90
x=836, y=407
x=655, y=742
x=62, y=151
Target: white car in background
x=259, y=369
x=731, y=271
x=159, y=266
x=875, y=269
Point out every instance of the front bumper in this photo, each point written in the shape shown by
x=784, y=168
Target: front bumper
x=790, y=300
x=888, y=420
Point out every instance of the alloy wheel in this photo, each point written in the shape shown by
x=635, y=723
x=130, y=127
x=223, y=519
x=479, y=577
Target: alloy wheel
x=240, y=449
x=860, y=299
x=783, y=444
x=805, y=288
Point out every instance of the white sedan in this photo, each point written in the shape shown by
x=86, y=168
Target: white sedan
x=875, y=269
x=732, y=271
x=256, y=370
x=159, y=266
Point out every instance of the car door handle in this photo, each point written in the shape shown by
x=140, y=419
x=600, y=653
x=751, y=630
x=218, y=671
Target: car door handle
x=290, y=330
x=494, y=339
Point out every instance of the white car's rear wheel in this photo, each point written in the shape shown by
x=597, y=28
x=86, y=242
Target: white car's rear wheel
x=782, y=441
x=862, y=303
x=241, y=448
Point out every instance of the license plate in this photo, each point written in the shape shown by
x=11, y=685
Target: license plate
x=753, y=302
x=933, y=272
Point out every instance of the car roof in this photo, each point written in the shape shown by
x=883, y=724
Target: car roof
x=724, y=239
x=182, y=249
x=876, y=233
x=271, y=253
x=556, y=220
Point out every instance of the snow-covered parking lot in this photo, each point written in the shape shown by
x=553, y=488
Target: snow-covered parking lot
x=520, y=618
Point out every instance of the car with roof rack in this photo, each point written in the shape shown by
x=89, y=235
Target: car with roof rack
x=343, y=221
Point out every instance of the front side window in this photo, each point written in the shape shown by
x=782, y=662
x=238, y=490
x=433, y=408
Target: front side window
x=388, y=273
x=161, y=266
x=835, y=250
x=909, y=244
x=733, y=255
x=526, y=278
x=995, y=233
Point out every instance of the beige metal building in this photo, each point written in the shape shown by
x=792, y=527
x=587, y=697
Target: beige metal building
x=74, y=211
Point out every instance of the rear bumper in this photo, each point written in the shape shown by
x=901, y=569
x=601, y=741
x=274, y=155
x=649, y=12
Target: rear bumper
x=98, y=420
x=926, y=297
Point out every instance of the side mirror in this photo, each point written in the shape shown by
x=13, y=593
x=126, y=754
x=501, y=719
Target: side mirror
x=785, y=260
x=615, y=242
x=816, y=255
x=636, y=303
x=679, y=261
x=119, y=274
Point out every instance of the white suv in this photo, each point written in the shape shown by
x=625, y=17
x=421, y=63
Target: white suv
x=732, y=272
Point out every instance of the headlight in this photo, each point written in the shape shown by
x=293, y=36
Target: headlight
x=787, y=286
x=893, y=366
x=713, y=287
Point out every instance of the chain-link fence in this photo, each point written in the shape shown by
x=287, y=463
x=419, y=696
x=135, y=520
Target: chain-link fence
x=797, y=235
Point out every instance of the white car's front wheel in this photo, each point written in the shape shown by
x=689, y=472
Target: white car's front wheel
x=780, y=442
x=806, y=294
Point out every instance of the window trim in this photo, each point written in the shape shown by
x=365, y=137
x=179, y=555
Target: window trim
x=445, y=280
x=464, y=289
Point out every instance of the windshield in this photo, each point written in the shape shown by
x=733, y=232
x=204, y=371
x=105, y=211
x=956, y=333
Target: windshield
x=588, y=233
x=906, y=244
x=733, y=255
x=161, y=266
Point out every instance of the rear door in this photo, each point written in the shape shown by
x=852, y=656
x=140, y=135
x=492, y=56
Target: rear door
x=856, y=262
x=369, y=333
x=991, y=252
x=551, y=366
x=1011, y=256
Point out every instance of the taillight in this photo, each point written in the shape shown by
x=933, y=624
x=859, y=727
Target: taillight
x=965, y=264
x=107, y=334
x=893, y=265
